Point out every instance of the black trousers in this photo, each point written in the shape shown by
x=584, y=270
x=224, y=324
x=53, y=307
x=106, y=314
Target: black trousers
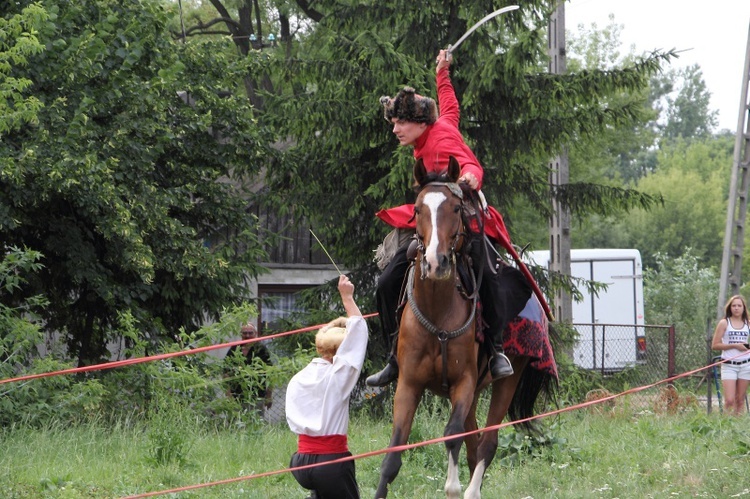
x=503, y=294
x=333, y=481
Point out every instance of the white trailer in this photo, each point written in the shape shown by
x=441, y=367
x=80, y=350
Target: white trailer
x=610, y=324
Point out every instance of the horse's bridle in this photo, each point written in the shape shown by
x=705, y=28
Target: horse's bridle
x=461, y=233
x=442, y=335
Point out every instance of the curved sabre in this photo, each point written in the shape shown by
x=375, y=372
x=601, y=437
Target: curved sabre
x=486, y=18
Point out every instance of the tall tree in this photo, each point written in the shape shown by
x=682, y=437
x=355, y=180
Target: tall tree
x=21, y=333
x=612, y=157
x=18, y=41
x=252, y=25
x=693, y=178
x=674, y=109
x=688, y=112
x=615, y=156
x=128, y=183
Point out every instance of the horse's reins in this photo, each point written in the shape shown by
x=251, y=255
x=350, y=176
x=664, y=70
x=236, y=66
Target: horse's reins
x=442, y=335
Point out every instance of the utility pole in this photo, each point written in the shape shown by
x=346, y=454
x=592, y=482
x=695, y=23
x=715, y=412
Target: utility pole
x=559, y=174
x=734, y=233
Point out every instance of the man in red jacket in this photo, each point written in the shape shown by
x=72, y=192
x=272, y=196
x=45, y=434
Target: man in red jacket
x=504, y=290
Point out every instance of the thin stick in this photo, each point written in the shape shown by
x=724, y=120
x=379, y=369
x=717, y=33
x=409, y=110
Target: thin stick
x=326, y=252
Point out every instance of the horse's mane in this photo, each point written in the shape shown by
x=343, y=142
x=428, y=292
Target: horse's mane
x=432, y=177
x=444, y=177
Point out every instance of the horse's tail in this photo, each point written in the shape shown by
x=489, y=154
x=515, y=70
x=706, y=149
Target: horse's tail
x=533, y=383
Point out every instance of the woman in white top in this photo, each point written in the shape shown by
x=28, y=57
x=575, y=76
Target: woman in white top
x=317, y=403
x=731, y=337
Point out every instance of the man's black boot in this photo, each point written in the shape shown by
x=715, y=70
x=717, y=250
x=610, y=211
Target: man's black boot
x=500, y=366
x=387, y=375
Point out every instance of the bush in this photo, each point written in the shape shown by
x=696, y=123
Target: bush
x=682, y=292
x=193, y=383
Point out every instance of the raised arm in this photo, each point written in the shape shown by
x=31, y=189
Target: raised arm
x=471, y=171
x=346, y=290
x=447, y=102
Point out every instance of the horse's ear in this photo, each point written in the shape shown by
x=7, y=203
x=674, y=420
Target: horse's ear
x=420, y=172
x=454, y=169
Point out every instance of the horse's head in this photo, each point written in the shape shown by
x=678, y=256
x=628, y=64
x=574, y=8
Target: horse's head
x=438, y=219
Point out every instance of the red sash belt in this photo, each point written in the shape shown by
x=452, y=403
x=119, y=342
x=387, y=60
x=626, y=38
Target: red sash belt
x=329, y=444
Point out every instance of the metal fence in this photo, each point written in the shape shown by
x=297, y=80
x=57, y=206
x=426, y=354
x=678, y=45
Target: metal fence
x=660, y=354
x=613, y=348
x=617, y=357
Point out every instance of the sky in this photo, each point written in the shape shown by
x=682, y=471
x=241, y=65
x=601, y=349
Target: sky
x=716, y=32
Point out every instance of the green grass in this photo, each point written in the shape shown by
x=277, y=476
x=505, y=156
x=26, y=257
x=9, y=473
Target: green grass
x=592, y=454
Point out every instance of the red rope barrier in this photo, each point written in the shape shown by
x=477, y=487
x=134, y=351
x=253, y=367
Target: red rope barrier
x=401, y=448
x=152, y=358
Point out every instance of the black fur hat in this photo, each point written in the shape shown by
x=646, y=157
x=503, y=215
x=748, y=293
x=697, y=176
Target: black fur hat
x=410, y=106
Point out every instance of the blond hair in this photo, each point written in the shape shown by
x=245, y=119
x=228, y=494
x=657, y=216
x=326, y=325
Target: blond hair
x=329, y=337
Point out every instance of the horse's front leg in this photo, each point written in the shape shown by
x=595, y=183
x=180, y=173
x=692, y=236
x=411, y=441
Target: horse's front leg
x=404, y=406
x=472, y=441
x=462, y=395
x=502, y=396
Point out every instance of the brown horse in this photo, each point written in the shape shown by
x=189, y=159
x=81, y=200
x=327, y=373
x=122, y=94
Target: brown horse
x=437, y=348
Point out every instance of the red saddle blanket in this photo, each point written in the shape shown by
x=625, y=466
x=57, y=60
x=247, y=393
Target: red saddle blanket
x=528, y=335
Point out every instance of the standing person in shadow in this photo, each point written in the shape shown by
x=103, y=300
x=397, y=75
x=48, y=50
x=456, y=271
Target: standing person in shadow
x=260, y=394
x=317, y=403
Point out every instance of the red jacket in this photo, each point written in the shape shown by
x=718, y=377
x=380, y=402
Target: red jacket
x=437, y=143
